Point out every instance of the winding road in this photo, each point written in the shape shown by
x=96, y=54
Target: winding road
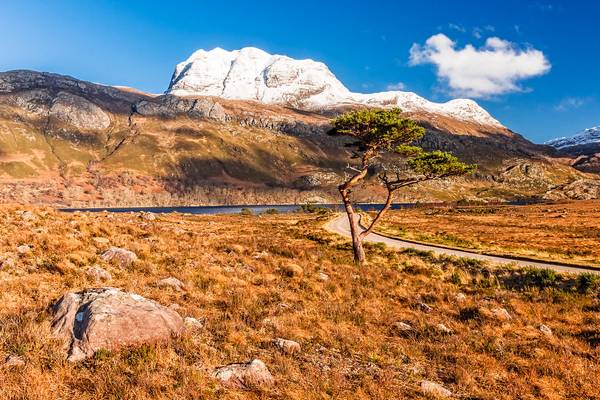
x=341, y=226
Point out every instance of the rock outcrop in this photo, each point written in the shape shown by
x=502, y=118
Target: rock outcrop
x=108, y=318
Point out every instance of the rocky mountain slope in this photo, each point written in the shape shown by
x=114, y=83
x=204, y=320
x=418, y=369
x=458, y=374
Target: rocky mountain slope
x=68, y=142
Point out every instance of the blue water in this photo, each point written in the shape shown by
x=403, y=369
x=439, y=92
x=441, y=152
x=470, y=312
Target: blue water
x=285, y=208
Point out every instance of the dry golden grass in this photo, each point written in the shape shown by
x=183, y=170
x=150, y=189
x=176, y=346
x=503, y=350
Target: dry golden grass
x=567, y=232
x=240, y=283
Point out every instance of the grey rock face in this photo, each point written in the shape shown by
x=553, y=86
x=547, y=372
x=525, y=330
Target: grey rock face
x=245, y=375
x=108, y=318
x=316, y=180
x=79, y=112
x=170, y=106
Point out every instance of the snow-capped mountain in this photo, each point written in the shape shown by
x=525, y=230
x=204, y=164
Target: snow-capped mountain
x=586, y=136
x=253, y=74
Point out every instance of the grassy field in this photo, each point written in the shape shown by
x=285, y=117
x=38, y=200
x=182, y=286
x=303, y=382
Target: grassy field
x=251, y=279
x=566, y=232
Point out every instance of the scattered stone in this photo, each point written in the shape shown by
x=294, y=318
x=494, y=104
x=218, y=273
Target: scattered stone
x=116, y=255
x=545, y=330
x=108, y=318
x=260, y=255
x=7, y=262
x=236, y=248
x=99, y=274
x=441, y=328
x=171, y=282
x=245, y=375
x=287, y=346
x=179, y=231
x=99, y=241
x=292, y=270
x=148, y=216
x=424, y=307
x=501, y=314
x=28, y=216
x=193, y=323
x=13, y=361
x=460, y=297
x=323, y=277
x=23, y=249
x=434, y=389
x=403, y=327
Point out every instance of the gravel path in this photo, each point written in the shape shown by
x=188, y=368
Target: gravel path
x=341, y=226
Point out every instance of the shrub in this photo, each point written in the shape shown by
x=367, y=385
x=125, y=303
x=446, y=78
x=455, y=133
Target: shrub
x=246, y=211
x=314, y=209
x=271, y=211
x=587, y=282
x=455, y=278
x=541, y=277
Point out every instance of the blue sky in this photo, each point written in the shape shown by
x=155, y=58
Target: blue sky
x=541, y=79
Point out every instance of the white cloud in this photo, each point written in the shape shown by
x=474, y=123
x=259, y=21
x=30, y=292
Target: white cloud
x=570, y=103
x=396, y=86
x=493, y=69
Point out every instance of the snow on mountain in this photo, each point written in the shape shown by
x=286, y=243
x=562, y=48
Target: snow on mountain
x=586, y=136
x=253, y=74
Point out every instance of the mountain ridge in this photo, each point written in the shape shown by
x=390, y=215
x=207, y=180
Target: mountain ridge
x=74, y=143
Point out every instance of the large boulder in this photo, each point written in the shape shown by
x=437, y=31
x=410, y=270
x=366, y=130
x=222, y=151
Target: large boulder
x=108, y=318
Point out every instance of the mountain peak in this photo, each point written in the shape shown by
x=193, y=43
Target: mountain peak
x=253, y=74
x=586, y=136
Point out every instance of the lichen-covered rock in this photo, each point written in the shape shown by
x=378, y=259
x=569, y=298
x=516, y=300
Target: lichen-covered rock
x=13, y=361
x=430, y=388
x=108, y=318
x=171, y=282
x=193, y=323
x=287, y=346
x=121, y=257
x=245, y=375
x=501, y=314
x=292, y=270
x=98, y=274
x=403, y=327
x=545, y=330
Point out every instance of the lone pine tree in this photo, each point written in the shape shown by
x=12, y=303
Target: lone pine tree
x=385, y=146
